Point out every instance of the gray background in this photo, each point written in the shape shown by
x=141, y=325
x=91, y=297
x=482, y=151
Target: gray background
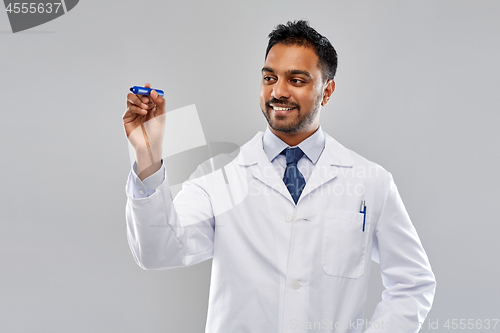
x=417, y=92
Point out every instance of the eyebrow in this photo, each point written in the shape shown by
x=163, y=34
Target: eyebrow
x=290, y=72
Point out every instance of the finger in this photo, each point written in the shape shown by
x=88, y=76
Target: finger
x=146, y=99
x=147, y=104
x=158, y=100
x=129, y=116
x=135, y=100
x=151, y=104
x=133, y=110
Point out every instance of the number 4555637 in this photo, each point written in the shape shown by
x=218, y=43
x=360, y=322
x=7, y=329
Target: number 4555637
x=32, y=8
x=471, y=324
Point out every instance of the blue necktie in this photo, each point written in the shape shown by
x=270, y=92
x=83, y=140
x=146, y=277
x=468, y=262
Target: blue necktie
x=293, y=179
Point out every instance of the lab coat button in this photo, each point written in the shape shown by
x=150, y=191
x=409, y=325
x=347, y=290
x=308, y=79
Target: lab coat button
x=296, y=285
x=141, y=191
x=288, y=218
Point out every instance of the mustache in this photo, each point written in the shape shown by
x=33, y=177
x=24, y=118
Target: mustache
x=284, y=102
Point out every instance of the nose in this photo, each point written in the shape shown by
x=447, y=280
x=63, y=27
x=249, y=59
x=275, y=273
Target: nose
x=280, y=89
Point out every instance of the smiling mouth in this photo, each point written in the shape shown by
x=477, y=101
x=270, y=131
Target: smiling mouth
x=277, y=108
x=281, y=107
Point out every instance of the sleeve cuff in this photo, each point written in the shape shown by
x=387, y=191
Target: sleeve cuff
x=143, y=189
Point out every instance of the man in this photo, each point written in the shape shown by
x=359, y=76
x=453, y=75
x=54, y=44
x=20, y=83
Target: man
x=292, y=223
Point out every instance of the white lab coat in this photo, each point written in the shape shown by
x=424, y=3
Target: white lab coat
x=281, y=267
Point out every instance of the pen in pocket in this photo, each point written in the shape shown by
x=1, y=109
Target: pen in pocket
x=362, y=209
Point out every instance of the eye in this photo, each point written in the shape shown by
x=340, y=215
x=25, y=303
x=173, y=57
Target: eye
x=268, y=78
x=297, y=81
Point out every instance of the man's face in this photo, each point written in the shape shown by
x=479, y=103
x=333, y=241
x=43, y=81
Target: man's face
x=292, y=87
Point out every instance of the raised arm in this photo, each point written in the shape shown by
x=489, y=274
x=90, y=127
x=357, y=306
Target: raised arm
x=161, y=233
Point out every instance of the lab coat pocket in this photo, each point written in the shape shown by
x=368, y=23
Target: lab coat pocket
x=344, y=243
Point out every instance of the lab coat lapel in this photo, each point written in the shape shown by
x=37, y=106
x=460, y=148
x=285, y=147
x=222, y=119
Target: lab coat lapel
x=266, y=173
x=253, y=156
x=323, y=172
x=333, y=156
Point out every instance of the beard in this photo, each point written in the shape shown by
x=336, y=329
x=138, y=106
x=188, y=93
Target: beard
x=295, y=123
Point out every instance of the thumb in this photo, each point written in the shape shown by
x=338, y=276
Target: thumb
x=158, y=100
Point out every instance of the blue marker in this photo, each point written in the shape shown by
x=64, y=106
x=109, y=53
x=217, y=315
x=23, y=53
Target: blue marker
x=145, y=91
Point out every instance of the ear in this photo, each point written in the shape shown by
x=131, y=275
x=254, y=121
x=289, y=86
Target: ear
x=328, y=90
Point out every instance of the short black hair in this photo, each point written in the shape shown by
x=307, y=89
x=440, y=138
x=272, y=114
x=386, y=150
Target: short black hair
x=300, y=33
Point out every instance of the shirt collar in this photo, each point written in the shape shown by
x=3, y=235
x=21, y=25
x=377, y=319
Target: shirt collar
x=312, y=146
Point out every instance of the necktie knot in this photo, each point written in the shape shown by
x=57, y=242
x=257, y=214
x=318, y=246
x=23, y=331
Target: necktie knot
x=293, y=155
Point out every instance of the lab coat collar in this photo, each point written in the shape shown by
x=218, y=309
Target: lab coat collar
x=312, y=146
x=334, y=155
x=337, y=154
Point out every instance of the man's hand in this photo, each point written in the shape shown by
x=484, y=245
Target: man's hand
x=144, y=123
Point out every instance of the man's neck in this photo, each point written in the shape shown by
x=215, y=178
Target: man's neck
x=293, y=139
